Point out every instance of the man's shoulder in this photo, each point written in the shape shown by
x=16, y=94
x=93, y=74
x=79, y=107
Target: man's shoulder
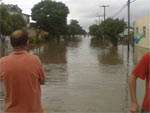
x=3, y=58
x=148, y=53
x=34, y=57
x=147, y=56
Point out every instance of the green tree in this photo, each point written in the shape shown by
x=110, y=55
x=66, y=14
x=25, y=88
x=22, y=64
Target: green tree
x=111, y=29
x=5, y=22
x=18, y=22
x=83, y=32
x=100, y=31
x=74, y=28
x=93, y=30
x=51, y=16
x=14, y=8
x=9, y=23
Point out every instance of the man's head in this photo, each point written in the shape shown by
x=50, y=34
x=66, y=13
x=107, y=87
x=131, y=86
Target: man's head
x=19, y=39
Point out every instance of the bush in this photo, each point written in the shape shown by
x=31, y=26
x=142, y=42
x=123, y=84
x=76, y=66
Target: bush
x=46, y=37
x=32, y=40
x=39, y=40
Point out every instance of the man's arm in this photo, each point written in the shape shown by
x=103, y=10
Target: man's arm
x=139, y=71
x=41, y=75
x=132, y=88
x=0, y=69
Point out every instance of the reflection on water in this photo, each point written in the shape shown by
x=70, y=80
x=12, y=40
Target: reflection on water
x=99, y=44
x=52, y=52
x=84, y=75
x=110, y=56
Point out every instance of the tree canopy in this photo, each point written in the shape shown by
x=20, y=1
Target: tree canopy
x=93, y=30
x=17, y=22
x=51, y=16
x=74, y=28
x=5, y=20
x=14, y=8
x=9, y=23
x=110, y=28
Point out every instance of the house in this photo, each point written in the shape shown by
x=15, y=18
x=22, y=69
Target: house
x=142, y=31
x=26, y=17
x=125, y=33
x=33, y=32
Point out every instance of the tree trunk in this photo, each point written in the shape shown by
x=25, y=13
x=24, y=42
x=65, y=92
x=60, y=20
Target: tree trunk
x=38, y=34
x=3, y=39
x=3, y=46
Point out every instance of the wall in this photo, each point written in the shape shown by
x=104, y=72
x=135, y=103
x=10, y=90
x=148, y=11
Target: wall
x=32, y=32
x=139, y=23
x=27, y=19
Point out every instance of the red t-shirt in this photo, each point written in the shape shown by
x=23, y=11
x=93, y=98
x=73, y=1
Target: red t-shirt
x=22, y=74
x=142, y=70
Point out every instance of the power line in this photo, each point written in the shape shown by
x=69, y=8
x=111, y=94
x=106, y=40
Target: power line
x=132, y=1
x=128, y=3
x=122, y=8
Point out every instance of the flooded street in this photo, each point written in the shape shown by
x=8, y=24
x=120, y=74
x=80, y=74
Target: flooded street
x=85, y=75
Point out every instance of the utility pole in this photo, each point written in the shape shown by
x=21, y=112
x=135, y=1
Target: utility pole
x=128, y=25
x=104, y=10
x=96, y=22
x=99, y=16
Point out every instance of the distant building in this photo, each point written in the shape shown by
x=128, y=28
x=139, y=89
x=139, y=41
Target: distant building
x=142, y=26
x=26, y=17
x=125, y=32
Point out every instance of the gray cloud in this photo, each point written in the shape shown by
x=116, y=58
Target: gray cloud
x=85, y=11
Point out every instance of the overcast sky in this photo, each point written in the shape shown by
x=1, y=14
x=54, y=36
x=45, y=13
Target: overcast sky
x=85, y=11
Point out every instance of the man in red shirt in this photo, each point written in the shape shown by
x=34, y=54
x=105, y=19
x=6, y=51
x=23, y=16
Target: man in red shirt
x=22, y=74
x=142, y=71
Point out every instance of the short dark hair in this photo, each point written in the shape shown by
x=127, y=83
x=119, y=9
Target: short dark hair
x=19, y=40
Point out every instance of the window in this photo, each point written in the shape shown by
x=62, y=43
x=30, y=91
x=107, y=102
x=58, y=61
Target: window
x=144, y=31
x=137, y=30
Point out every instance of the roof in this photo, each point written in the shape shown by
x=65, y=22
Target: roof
x=19, y=13
x=25, y=14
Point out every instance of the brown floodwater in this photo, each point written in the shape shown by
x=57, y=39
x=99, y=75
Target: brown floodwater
x=85, y=75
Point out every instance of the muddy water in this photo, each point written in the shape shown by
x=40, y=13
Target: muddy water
x=85, y=75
